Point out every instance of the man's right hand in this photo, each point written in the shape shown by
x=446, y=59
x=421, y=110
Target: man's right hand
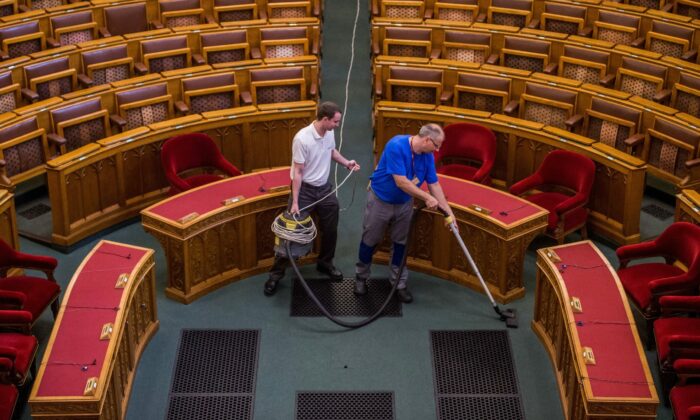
x=431, y=202
x=295, y=209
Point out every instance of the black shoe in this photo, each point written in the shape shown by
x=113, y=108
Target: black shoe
x=270, y=287
x=360, y=287
x=332, y=272
x=404, y=295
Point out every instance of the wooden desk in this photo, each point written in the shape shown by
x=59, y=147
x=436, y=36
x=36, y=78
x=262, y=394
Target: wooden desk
x=619, y=384
x=95, y=189
x=221, y=243
x=688, y=206
x=75, y=352
x=496, y=241
x=617, y=192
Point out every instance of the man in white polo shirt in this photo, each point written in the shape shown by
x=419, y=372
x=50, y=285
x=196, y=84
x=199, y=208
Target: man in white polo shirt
x=312, y=151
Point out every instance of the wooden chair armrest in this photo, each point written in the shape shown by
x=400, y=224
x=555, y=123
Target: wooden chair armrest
x=313, y=89
x=375, y=7
x=493, y=59
x=435, y=53
x=375, y=47
x=638, y=43
x=608, y=80
x=117, y=120
x=446, y=97
x=84, y=80
x=481, y=18
x=55, y=139
x=156, y=24
x=255, y=53
x=52, y=42
x=262, y=14
x=511, y=108
x=573, y=122
x=428, y=14
x=104, y=33
x=551, y=68
x=246, y=98
x=378, y=88
x=5, y=182
x=29, y=95
x=635, y=140
x=690, y=55
x=662, y=96
x=4, y=56
x=585, y=32
x=534, y=23
x=140, y=68
x=181, y=107
x=22, y=8
x=198, y=59
x=209, y=19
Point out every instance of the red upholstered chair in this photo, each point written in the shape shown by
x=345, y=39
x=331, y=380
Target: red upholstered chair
x=685, y=397
x=192, y=151
x=24, y=298
x=677, y=336
x=17, y=358
x=8, y=397
x=465, y=145
x=563, y=185
x=645, y=283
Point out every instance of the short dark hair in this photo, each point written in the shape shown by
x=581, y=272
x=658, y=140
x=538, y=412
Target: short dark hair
x=327, y=109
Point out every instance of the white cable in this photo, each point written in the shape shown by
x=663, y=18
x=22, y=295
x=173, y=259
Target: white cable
x=347, y=84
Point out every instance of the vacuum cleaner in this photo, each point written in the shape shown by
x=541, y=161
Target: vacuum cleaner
x=507, y=315
x=294, y=238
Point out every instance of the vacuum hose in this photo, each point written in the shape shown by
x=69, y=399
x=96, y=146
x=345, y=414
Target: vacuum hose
x=376, y=315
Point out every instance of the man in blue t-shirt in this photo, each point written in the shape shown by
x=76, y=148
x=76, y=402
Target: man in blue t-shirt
x=407, y=162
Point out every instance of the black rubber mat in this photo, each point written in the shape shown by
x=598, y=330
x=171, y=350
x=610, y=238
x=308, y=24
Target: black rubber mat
x=474, y=375
x=214, y=375
x=345, y=406
x=339, y=299
x=34, y=211
x=657, y=212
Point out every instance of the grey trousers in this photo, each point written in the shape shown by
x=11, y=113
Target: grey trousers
x=377, y=217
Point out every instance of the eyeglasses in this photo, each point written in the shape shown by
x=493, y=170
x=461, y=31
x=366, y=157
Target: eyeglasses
x=437, y=147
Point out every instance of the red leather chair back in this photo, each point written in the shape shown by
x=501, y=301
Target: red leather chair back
x=568, y=169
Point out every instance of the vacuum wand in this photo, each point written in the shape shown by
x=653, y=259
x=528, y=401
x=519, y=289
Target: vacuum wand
x=507, y=315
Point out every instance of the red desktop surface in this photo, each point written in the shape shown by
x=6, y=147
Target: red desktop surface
x=505, y=208
x=604, y=324
x=208, y=198
x=77, y=352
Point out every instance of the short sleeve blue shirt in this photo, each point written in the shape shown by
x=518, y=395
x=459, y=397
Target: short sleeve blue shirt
x=398, y=159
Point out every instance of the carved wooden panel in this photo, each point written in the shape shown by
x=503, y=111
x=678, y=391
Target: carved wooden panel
x=143, y=173
x=91, y=190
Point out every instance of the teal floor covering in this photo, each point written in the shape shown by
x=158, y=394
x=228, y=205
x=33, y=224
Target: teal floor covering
x=312, y=354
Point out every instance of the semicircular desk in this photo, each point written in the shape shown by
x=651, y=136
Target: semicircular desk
x=220, y=232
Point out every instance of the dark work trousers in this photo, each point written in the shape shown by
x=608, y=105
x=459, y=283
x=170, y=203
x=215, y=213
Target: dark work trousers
x=327, y=211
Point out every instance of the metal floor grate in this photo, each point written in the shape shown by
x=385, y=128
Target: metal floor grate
x=210, y=407
x=340, y=299
x=474, y=375
x=34, y=211
x=479, y=407
x=345, y=406
x=214, y=374
x=657, y=212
